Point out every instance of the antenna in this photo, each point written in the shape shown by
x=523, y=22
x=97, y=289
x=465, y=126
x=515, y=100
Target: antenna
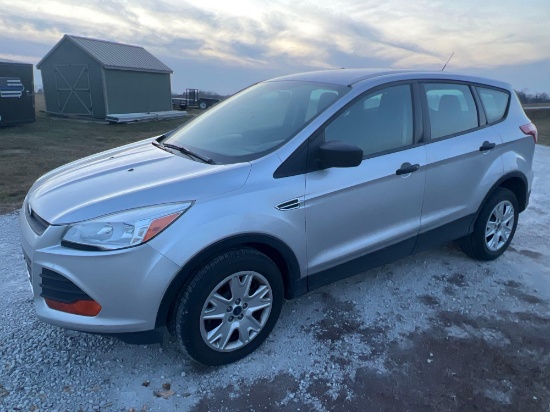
x=448, y=61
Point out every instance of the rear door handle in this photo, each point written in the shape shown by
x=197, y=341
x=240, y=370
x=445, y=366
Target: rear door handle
x=486, y=146
x=407, y=168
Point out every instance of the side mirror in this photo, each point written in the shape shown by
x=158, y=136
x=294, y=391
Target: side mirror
x=339, y=154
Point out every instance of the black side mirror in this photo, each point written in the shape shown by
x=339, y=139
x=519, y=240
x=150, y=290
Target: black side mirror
x=339, y=154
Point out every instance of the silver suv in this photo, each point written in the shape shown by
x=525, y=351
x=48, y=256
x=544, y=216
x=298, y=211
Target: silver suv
x=289, y=185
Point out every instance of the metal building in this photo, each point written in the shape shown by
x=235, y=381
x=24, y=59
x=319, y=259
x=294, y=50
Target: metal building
x=16, y=93
x=90, y=77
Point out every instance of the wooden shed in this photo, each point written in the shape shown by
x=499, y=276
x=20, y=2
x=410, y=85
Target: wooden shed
x=90, y=77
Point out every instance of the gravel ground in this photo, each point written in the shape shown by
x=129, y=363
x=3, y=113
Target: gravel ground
x=435, y=331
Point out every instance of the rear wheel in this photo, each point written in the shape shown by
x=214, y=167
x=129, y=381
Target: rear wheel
x=203, y=105
x=494, y=228
x=229, y=307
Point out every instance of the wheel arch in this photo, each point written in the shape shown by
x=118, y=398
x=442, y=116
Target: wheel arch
x=516, y=182
x=272, y=247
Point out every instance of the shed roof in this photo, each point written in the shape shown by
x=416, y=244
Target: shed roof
x=12, y=62
x=117, y=56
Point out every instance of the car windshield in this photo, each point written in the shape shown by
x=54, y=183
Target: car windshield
x=256, y=121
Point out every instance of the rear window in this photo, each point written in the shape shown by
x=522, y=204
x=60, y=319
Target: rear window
x=494, y=102
x=452, y=109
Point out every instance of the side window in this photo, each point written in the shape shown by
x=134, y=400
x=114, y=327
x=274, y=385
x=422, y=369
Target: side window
x=494, y=102
x=451, y=108
x=319, y=100
x=380, y=121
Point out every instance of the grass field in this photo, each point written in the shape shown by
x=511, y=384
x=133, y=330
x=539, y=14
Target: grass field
x=29, y=151
x=541, y=119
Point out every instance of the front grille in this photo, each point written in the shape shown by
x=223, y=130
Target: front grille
x=37, y=224
x=59, y=288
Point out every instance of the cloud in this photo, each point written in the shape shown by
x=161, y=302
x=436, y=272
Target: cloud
x=282, y=35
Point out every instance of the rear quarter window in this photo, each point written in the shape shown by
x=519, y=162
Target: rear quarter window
x=495, y=103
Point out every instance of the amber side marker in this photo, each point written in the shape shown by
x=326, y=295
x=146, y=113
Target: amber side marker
x=80, y=307
x=158, y=225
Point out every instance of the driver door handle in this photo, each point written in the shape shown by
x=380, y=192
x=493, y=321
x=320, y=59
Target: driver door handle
x=407, y=168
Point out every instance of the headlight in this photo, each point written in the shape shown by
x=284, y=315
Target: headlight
x=125, y=229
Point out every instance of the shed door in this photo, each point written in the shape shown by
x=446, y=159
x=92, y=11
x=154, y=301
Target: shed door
x=73, y=89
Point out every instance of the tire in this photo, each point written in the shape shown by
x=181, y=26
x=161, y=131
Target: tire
x=214, y=321
x=499, y=214
x=203, y=105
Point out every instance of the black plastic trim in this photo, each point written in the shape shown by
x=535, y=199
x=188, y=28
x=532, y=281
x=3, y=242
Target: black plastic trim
x=295, y=164
x=481, y=118
x=361, y=264
x=418, y=113
x=37, y=224
x=438, y=236
x=57, y=287
x=499, y=183
x=289, y=205
x=276, y=249
x=445, y=233
x=427, y=127
x=79, y=246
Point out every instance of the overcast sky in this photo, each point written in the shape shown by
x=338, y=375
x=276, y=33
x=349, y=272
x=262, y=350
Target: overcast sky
x=225, y=45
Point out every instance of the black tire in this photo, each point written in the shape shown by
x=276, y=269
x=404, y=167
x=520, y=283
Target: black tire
x=203, y=105
x=476, y=244
x=193, y=303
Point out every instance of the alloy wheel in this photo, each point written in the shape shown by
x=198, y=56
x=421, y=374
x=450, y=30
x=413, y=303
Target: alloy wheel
x=499, y=226
x=236, y=311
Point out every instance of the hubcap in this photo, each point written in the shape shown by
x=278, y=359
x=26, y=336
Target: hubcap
x=236, y=311
x=499, y=226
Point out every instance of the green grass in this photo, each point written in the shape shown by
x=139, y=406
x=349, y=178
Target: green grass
x=541, y=119
x=28, y=151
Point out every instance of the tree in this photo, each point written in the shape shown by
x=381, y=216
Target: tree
x=526, y=98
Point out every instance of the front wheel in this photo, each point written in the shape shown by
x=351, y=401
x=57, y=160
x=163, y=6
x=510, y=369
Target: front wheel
x=229, y=307
x=494, y=227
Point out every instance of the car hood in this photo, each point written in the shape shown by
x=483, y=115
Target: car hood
x=133, y=176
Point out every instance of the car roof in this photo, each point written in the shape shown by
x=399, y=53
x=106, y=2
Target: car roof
x=348, y=77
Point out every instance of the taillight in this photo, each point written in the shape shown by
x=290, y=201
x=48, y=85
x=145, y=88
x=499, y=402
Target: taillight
x=531, y=130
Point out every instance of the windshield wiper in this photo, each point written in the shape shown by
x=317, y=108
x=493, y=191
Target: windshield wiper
x=160, y=146
x=183, y=150
x=188, y=152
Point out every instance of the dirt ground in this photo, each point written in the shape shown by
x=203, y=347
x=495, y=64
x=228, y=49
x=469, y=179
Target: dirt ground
x=432, y=332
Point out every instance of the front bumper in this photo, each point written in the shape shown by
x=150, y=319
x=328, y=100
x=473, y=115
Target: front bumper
x=129, y=284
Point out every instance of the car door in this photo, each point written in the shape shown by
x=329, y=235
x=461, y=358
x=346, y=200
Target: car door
x=353, y=212
x=463, y=160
